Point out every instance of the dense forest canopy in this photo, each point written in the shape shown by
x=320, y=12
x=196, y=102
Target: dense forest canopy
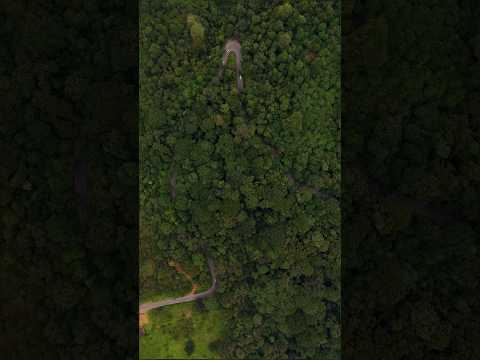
x=251, y=180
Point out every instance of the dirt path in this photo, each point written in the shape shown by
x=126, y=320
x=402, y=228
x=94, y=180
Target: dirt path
x=194, y=289
x=180, y=270
x=143, y=320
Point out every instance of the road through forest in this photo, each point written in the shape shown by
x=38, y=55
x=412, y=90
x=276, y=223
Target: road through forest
x=232, y=46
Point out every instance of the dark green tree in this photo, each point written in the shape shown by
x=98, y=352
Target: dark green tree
x=189, y=347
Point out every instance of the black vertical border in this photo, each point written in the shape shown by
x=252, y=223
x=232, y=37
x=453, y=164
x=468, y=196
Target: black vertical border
x=69, y=179
x=410, y=179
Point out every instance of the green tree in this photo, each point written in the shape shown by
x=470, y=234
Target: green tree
x=284, y=39
x=189, y=347
x=197, y=32
x=285, y=10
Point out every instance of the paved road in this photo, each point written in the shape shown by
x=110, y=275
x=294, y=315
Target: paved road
x=233, y=46
x=156, y=304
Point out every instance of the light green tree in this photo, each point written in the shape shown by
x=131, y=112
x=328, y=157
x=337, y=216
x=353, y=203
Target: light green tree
x=197, y=31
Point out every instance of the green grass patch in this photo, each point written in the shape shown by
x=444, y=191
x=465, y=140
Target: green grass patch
x=171, y=327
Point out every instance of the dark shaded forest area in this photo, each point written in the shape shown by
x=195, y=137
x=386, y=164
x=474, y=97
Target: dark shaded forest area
x=68, y=179
x=410, y=179
x=251, y=180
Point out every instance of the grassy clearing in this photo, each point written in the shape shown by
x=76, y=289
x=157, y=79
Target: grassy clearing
x=171, y=327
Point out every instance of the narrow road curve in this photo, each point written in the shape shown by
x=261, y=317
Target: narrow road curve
x=156, y=304
x=233, y=46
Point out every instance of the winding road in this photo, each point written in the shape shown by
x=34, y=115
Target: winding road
x=232, y=46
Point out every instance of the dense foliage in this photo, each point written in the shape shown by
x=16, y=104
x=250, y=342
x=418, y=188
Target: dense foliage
x=410, y=173
x=252, y=179
x=68, y=122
